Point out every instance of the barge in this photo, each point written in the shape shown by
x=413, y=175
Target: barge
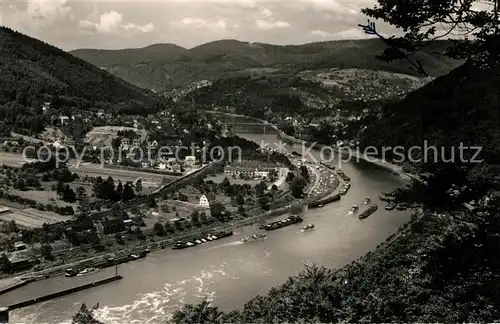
x=179, y=245
x=292, y=219
x=320, y=203
x=344, y=177
x=345, y=187
x=368, y=211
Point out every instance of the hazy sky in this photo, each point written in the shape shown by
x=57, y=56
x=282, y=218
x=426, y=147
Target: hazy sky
x=71, y=24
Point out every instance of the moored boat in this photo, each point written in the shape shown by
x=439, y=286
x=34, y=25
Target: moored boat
x=367, y=200
x=391, y=206
x=87, y=271
x=354, y=209
x=70, y=272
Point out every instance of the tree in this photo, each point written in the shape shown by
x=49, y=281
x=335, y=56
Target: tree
x=217, y=210
x=138, y=186
x=80, y=191
x=128, y=192
x=119, y=190
x=46, y=252
x=68, y=194
x=240, y=200
x=159, y=229
x=304, y=172
x=420, y=21
x=201, y=313
x=86, y=316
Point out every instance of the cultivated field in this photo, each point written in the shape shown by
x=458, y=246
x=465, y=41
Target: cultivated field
x=32, y=218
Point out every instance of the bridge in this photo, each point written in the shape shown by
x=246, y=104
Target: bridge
x=254, y=128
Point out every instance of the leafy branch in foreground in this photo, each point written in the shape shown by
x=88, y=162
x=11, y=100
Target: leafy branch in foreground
x=471, y=26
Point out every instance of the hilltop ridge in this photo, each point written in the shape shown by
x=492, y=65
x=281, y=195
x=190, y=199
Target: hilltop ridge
x=31, y=70
x=173, y=67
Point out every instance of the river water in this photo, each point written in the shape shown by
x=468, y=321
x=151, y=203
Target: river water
x=227, y=271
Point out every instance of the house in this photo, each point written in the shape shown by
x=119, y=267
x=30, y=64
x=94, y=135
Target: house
x=161, y=166
x=153, y=144
x=206, y=200
x=64, y=119
x=145, y=164
x=110, y=226
x=57, y=144
x=20, y=246
x=253, y=172
x=136, y=142
x=190, y=160
x=125, y=141
x=171, y=161
x=176, y=168
x=20, y=260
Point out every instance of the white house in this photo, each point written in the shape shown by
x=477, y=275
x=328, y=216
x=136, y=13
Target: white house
x=64, y=119
x=190, y=160
x=162, y=166
x=57, y=144
x=204, y=202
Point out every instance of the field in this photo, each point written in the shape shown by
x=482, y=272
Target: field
x=102, y=136
x=32, y=218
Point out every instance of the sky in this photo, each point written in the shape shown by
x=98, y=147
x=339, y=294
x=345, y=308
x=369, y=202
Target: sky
x=112, y=24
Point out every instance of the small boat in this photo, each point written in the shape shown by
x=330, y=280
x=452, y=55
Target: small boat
x=308, y=227
x=390, y=206
x=70, y=273
x=320, y=205
x=87, y=271
x=254, y=237
x=203, y=240
x=148, y=249
x=198, y=242
x=354, y=209
x=367, y=200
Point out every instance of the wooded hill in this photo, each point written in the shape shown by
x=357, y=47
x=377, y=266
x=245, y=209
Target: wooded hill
x=32, y=71
x=166, y=66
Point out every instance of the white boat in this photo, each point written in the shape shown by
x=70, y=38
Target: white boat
x=204, y=241
x=308, y=227
x=198, y=241
x=87, y=271
x=254, y=237
x=189, y=243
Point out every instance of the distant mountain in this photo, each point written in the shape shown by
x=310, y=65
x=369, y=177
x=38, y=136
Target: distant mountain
x=31, y=71
x=172, y=66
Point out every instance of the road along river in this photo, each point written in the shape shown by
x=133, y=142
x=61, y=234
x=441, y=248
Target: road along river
x=228, y=271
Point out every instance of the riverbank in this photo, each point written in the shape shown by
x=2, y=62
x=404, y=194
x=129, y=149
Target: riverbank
x=391, y=167
x=100, y=260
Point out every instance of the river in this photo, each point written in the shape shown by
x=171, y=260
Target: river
x=227, y=271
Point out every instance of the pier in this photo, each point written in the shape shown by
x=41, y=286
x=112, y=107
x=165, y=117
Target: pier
x=43, y=298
